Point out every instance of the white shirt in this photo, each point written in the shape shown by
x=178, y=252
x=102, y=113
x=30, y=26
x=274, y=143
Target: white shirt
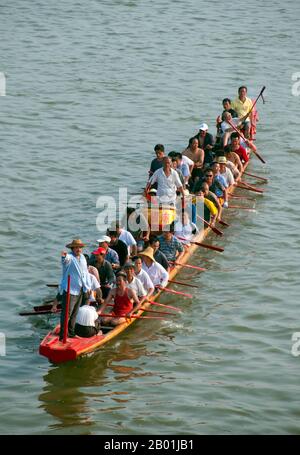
x=158, y=275
x=228, y=176
x=166, y=186
x=225, y=126
x=94, y=286
x=127, y=238
x=187, y=160
x=184, y=231
x=145, y=280
x=137, y=286
x=87, y=316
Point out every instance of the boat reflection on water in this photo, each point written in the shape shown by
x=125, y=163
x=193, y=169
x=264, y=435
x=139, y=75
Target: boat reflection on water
x=80, y=394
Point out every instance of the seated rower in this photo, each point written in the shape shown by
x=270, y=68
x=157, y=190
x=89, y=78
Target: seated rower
x=236, y=147
x=184, y=230
x=111, y=255
x=136, y=224
x=225, y=171
x=87, y=321
x=126, y=237
x=119, y=246
x=157, y=254
x=125, y=300
x=217, y=184
x=226, y=128
x=143, y=276
x=168, y=183
x=196, y=154
x=206, y=143
x=158, y=275
x=212, y=206
x=106, y=274
x=233, y=158
x=170, y=245
x=133, y=282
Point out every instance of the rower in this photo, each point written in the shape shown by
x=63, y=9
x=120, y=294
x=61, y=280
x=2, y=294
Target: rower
x=158, y=255
x=126, y=237
x=143, y=276
x=238, y=148
x=184, y=229
x=243, y=105
x=133, y=282
x=119, y=246
x=168, y=183
x=106, y=274
x=158, y=275
x=225, y=171
x=87, y=321
x=196, y=154
x=217, y=184
x=226, y=128
x=125, y=300
x=234, y=159
x=212, y=206
x=111, y=255
x=206, y=142
x=170, y=245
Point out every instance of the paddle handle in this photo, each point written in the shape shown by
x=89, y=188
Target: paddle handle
x=67, y=311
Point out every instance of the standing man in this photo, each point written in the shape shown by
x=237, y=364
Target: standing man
x=168, y=182
x=243, y=105
x=73, y=264
x=157, y=162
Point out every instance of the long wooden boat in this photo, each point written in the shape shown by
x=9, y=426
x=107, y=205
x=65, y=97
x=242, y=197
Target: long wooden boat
x=57, y=351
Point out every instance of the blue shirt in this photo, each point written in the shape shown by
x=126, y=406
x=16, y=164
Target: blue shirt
x=112, y=256
x=170, y=248
x=184, y=169
x=78, y=271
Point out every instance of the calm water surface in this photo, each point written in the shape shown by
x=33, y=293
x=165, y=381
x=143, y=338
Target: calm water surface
x=91, y=88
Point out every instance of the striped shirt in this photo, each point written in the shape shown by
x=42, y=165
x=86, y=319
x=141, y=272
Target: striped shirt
x=170, y=248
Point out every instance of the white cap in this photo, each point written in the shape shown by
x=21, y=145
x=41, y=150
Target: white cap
x=203, y=127
x=104, y=238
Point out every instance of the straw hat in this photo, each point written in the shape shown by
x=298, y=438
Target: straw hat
x=75, y=243
x=148, y=252
x=222, y=160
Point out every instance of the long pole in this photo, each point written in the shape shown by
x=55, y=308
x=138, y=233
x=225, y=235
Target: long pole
x=67, y=311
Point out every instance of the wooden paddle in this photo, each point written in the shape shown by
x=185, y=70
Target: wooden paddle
x=224, y=223
x=249, y=188
x=214, y=229
x=171, y=291
x=263, y=179
x=188, y=266
x=204, y=245
x=253, y=105
x=244, y=139
x=109, y=315
x=35, y=313
x=166, y=306
x=184, y=284
x=241, y=207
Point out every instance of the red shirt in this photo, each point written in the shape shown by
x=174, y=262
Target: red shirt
x=241, y=151
x=122, y=305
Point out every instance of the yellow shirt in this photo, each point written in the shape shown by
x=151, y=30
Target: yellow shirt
x=242, y=108
x=211, y=206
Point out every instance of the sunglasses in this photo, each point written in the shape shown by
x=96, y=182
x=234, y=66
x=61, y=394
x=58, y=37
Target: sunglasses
x=209, y=175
